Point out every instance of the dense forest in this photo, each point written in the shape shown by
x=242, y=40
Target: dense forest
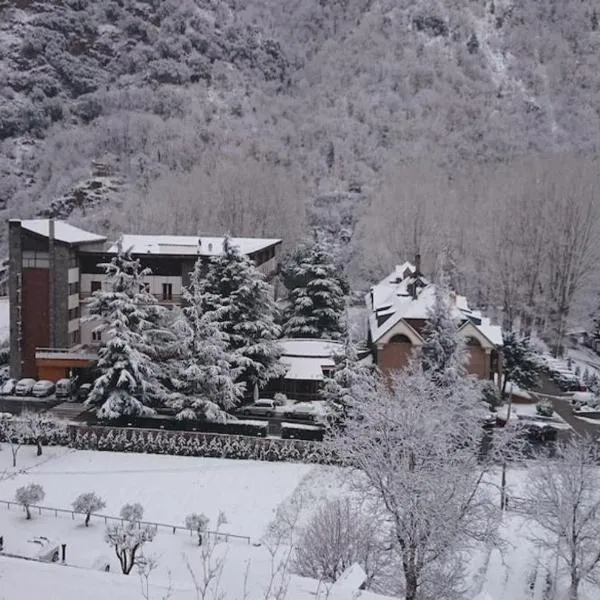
x=466, y=128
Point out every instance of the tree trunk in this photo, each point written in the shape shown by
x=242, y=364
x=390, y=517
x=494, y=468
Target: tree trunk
x=14, y=455
x=27, y=512
x=574, y=588
x=39, y=447
x=87, y=519
x=412, y=586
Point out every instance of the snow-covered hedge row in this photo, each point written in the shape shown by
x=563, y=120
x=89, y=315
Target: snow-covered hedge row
x=198, y=444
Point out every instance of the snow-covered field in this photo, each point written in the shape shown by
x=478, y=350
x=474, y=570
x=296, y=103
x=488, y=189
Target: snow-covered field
x=169, y=488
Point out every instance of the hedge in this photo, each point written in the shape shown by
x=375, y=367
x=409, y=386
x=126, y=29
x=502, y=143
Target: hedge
x=300, y=432
x=184, y=443
x=169, y=423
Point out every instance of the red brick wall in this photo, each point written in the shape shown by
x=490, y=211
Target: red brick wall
x=394, y=356
x=479, y=362
x=36, y=329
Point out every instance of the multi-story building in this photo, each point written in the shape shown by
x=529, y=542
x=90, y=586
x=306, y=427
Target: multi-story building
x=54, y=268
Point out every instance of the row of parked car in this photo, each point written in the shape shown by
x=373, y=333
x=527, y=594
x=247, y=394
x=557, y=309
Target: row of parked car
x=43, y=388
x=303, y=411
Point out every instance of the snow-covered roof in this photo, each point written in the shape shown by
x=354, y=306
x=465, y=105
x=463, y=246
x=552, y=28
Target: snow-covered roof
x=307, y=357
x=310, y=347
x=306, y=369
x=192, y=245
x=393, y=298
x=63, y=232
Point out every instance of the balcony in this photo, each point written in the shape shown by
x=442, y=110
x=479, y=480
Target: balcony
x=76, y=353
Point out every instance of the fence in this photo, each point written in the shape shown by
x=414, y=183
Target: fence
x=218, y=535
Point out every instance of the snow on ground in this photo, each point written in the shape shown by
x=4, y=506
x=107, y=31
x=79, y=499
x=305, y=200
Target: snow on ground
x=4, y=319
x=169, y=487
x=528, y=412
x=249, y=492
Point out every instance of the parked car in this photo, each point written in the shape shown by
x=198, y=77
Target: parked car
x=24, y=386
x=579, y=399
x=307, y=411
x=64, y=388
x=263, y=407
x=84, y=391
x=8, y=387
x=42, y=388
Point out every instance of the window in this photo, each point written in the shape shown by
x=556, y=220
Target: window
x=36, y=260
x=73, y=313
x=74, y=288
x=97, y=335
x=96, y=286
x=167, y=291
x=74, y=337
x=73, y=260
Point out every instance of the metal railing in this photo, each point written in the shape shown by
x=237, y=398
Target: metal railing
x=218, y=535
x=74, y=352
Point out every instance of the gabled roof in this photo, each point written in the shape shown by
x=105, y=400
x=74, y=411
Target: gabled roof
x=305, y=358
x=192, y=245
x=63, y=232
x=392, y=300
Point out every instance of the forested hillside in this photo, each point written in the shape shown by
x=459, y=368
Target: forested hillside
x=397, y=125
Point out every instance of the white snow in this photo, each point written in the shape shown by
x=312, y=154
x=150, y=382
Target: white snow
x=189, y=245
x=63, y=232
x=169, y=487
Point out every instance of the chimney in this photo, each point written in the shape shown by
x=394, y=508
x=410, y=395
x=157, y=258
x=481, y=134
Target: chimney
x=417, y=265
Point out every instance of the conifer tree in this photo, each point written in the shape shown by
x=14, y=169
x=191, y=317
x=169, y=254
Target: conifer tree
x=349, y=381
x=316, y=290
x=129, y=383
x=234, y=295
x=443, y=352
x=521, y=364
x=206, y=369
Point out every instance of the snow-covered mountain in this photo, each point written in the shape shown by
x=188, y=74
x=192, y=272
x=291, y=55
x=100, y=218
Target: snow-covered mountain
x=323, y=96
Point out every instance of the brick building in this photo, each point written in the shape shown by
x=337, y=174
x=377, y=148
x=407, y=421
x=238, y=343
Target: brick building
x=53, y=270
x=398, y=308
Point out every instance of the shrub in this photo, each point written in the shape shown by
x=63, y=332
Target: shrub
x=88, y=503
x=544, y=408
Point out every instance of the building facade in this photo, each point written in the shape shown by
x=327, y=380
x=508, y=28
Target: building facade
x=398, y=312
x=54, y=269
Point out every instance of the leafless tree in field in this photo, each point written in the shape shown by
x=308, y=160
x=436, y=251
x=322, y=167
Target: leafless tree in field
x=563, y=499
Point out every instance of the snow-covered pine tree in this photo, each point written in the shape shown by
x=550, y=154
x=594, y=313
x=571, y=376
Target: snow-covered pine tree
x=521, y=364
x=443, y=351
x=206, y=370
x=234, y=295
x=349, y=381
x=128, y=384
x=316, y=293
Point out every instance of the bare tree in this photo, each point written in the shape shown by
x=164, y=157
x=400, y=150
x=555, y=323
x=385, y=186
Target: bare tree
x=28, y=495
x=339, y=534
x=129, y=536
x=12, y=431
x=88, y=503
x=416, y=448
x=207, y=582
x=563, y=498
x=197, y=523
x=39, y=427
